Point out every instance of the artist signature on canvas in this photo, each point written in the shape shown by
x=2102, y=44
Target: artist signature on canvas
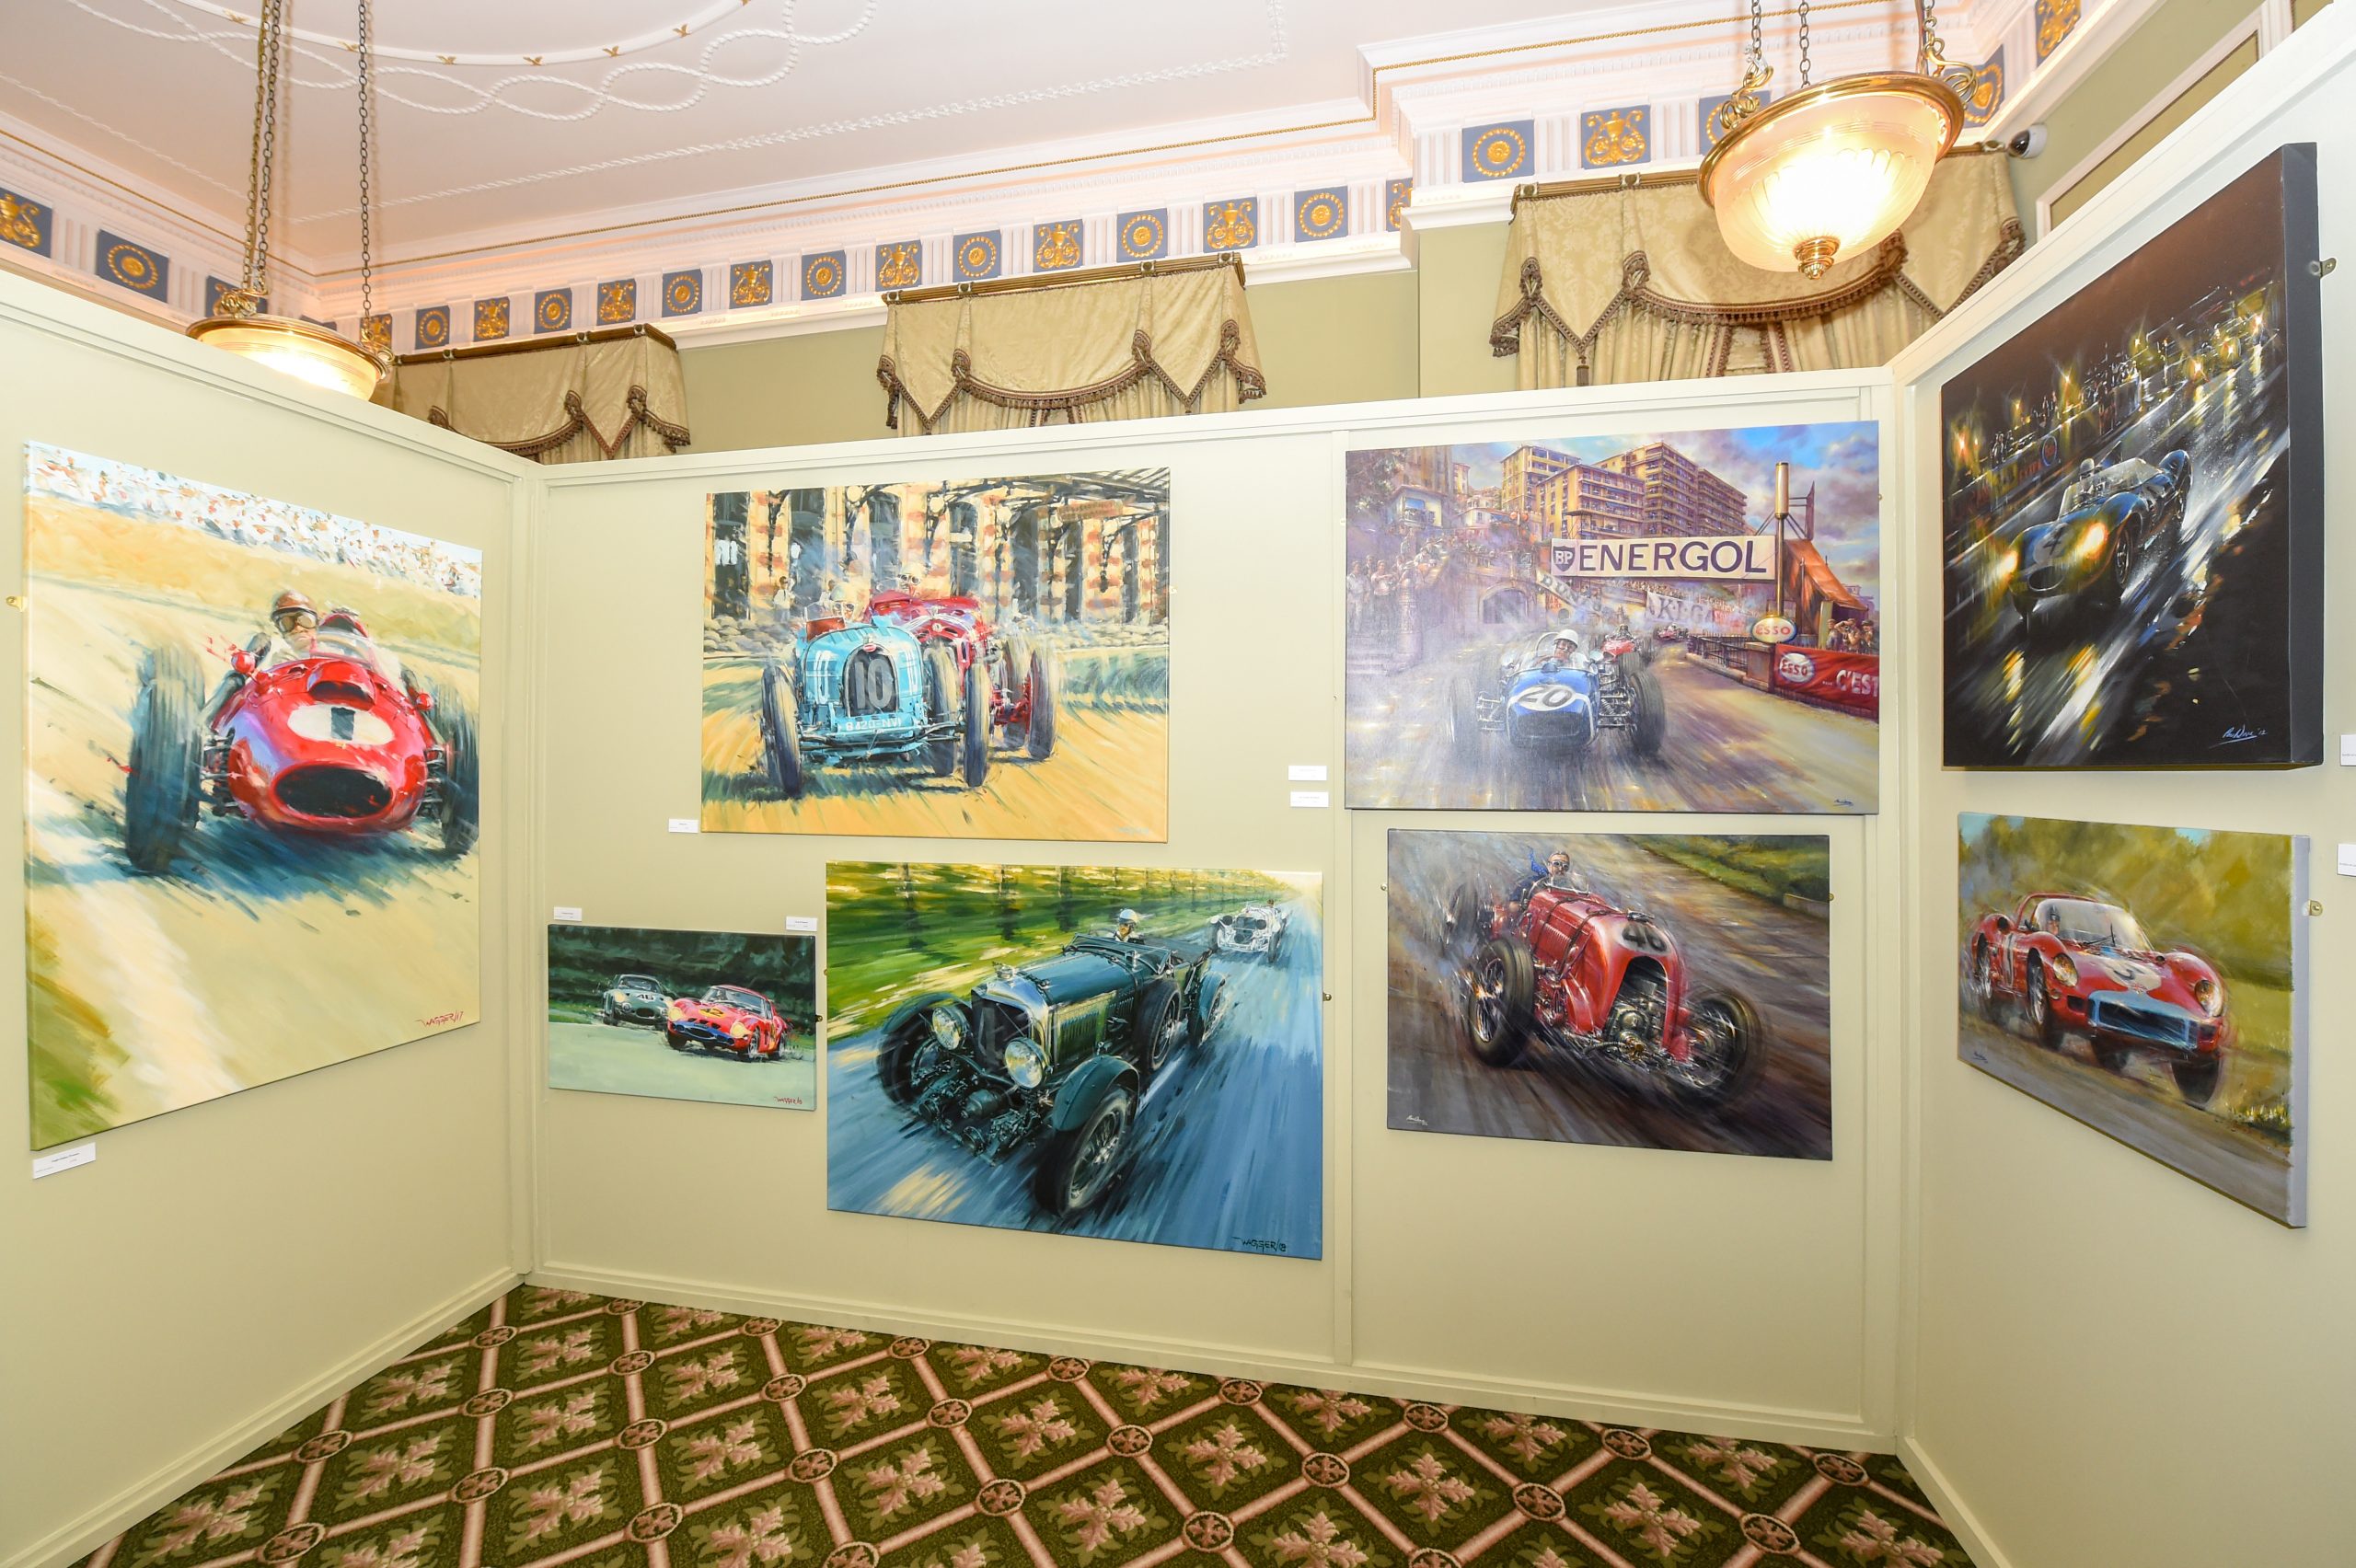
x=2237, y=733
x=1259, y=1244
x=441, y=1017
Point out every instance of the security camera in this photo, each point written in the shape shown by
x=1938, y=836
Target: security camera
x=2027, y=143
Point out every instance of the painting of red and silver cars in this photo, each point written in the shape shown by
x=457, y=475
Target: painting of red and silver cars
x=2149, y=981
x=964, y=659
x=1647, y=990
x=1681, y=621
x=253, y=789
x=2132, y=500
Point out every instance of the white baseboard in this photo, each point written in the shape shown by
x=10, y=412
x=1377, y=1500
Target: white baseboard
x=1952, y=1509
x=127, y=1507
x=1811, y=1428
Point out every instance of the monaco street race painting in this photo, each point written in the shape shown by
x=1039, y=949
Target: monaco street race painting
x=987, y=659
x=252, y=790
x=1095, y=1050
x=2150, y=981
x=724, y=1016
x=2133, y=506
x=1687, y=621
x=1648, y=990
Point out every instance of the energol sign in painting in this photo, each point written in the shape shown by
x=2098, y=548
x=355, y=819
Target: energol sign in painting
x=987, y=659
x=253, y=791
x=1687, y=621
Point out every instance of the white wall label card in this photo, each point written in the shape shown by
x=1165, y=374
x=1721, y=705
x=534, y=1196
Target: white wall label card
x=2348, y=751
x=685, y=825
x=1306, y=772
x=1313, y=798
x=566, y=912
x=2348, y=859
x=802, y=922
x=59, y=1160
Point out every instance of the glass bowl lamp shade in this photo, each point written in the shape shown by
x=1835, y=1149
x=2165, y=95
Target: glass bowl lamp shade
x=1832, y=171
x=297, y=349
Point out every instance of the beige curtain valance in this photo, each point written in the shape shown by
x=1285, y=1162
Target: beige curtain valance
x=1632, y=283
x=609, y=394
x=1176, y=340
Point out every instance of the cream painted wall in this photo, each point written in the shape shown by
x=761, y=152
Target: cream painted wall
x=1346, y=340
x=1456, y=276
x=2109, y=1363
x=1752, y=1296
x=223, y=1268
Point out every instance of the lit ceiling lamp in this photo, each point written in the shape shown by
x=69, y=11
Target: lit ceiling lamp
x=1832, y=171
x=287, y=343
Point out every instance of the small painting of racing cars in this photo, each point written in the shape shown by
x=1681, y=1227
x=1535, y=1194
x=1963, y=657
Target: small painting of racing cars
x=2113, y=522
x=1555, y=694
x=325, y=739
x=672, y=1014
x=921, y=679
x=1257, y=930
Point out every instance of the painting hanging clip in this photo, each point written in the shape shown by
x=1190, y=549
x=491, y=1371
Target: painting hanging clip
x=2324, y=268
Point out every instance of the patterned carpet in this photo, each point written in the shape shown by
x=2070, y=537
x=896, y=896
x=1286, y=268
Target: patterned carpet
x=554, y=1427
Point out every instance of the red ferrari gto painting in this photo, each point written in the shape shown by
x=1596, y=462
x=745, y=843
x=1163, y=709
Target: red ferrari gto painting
x=2146, y=981
x=721, y=1016
x=253, y=789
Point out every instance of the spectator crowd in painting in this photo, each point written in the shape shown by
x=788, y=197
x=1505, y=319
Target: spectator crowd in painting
x=257, y=522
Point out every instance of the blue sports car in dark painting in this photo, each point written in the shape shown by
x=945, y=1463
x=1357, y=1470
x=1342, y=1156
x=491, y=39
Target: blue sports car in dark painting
x=1550, y=696
x=2110, y=522
x=871, y=692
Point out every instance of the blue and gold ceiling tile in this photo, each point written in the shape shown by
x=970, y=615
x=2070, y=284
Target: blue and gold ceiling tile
x=683, y=292
x=490, y=319
x=136, y=268
x=899, y=264
x=1711, y=131
x=1611, y=137
x=1986, y=94
x=617, y=302
x=552, y=310
x=825, y=275
x=976, y=256
x=2056, y=19
x=434, y=327
x=1395, y=197
x=376, y=332
x=1500, y=151
x=1055, y=247
x=1233, y=224
x=26, y=224
x=215, y=287
x=751, y=283
x=1145, y=236
x=1322, y=214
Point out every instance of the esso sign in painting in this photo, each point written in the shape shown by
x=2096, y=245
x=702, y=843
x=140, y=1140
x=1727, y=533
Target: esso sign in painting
x=1773, y=629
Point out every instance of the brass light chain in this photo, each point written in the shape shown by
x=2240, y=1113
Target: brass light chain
x=1804, y=61
x=1758, y=44
x=260, y=172
x=1935, y=61
x=367, y=135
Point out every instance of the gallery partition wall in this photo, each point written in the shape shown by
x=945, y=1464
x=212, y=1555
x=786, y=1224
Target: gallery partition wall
x=1290, y=809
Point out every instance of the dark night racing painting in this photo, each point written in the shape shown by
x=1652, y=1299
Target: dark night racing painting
x=1679, y=621
x=1648, y=990
x=2133, y=506
x=2150, y=981
x=1110, y=1051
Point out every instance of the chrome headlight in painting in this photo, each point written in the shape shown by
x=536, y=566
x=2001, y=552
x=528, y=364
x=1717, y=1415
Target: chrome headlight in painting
x=948, y=1028
x=1025, y=1062
x=2210, y=995
x=2065, y=970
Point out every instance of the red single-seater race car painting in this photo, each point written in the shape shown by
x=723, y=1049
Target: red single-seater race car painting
x=323, y=736
x=2075, y=965
x=729, y=1018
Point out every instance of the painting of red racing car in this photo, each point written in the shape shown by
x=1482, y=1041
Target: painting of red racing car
x=254, y=786
x=1665, y=991
x=2149, y=982
x=721, y=1016
x=1678, y=621
x=982, y=659
x=2132, y=505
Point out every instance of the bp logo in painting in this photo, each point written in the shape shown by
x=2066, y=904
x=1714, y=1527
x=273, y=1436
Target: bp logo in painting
x=1092, y=1050
x=2132, y=506
x=1593, y=622
x=253, y=789
x=984, y=659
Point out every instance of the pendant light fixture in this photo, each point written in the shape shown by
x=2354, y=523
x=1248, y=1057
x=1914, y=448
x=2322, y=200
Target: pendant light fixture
x=287, y=343
x=1832, y=171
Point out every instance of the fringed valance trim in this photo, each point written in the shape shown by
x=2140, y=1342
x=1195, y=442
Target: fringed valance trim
x=674, y=436
x=1249, y=383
